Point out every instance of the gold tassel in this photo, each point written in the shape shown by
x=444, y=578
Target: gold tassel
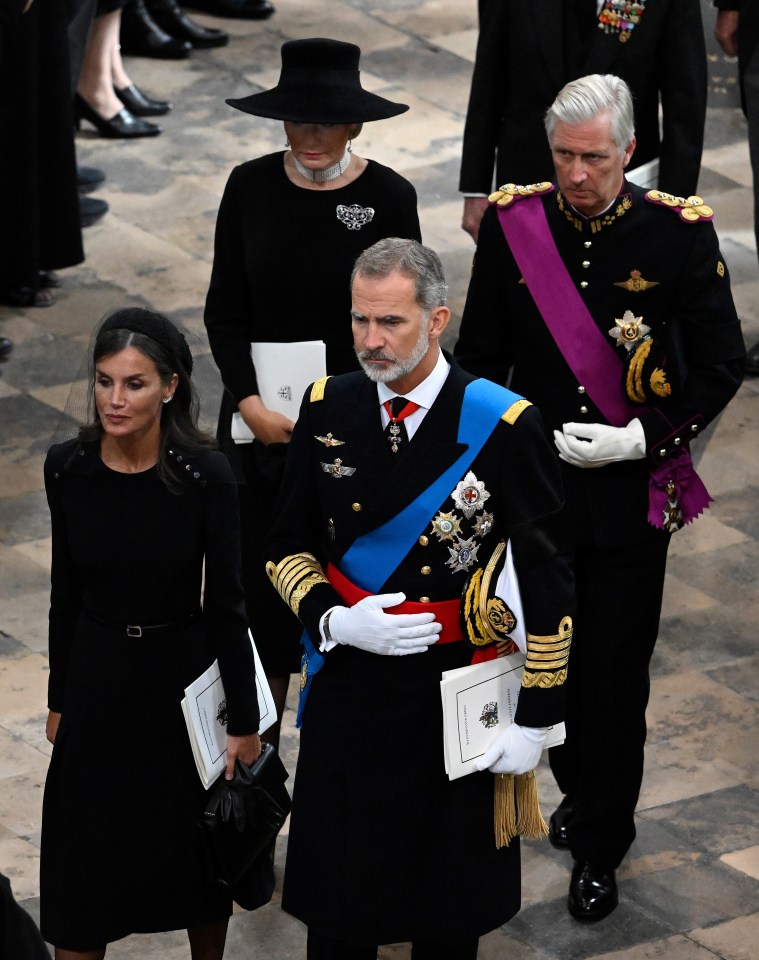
x=504, y=810
x=530, y=822
x=516, y=810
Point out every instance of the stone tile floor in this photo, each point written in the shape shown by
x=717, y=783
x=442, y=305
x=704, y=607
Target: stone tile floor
x=690, y=886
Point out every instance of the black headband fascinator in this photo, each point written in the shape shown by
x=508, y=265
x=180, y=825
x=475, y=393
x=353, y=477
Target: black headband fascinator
x=153, y=325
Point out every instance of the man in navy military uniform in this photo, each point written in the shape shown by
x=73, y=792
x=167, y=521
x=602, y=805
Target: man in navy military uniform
x=610, y=308
x=401, y=481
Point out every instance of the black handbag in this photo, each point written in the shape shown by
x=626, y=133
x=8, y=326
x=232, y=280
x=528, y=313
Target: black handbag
x=239, y=824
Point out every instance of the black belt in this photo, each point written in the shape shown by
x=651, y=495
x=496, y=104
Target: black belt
x=133, y=630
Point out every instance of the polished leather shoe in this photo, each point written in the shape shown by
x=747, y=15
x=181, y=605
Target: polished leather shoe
x=237, y=9
x=6, y=346
x=122, y=125
x=171, y=17
x=91, y=209
x=140, y=105
x=142, y=37
x=752, y=360
x=88, y=178
x=558, y=823
x=592, y=891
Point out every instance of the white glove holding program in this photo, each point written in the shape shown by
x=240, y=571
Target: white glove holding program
x=515, y=750
x=367, y=627
x=597, y=444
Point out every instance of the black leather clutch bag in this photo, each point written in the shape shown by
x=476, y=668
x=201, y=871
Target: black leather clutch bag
x=239, y=824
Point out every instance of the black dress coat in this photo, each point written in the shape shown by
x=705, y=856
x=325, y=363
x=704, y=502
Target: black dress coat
x=383, y=847
x=527, y=52
x=682, y=292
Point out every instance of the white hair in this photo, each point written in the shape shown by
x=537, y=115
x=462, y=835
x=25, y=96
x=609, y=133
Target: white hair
x=589, y=97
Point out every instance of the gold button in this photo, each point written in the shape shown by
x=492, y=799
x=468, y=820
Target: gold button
x=426, y=570
x=584, y=284
x=581, y=389
x=357, y=507
x=587, y=244
x=423, y=541
x=585, y=264
x=662, y=453
x=694, y=427
x=424, y=599
x=677, y=441
x=583, y=409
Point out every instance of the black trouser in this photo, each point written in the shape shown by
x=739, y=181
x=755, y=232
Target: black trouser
x=619, y=596
x=322, y=948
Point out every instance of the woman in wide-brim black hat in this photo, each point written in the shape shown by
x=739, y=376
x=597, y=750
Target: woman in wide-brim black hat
x=289, y=229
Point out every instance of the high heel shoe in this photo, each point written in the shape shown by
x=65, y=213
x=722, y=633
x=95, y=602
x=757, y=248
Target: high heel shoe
x=140, y=105
x=123, y=124
x=142, y=37
x=171, y=17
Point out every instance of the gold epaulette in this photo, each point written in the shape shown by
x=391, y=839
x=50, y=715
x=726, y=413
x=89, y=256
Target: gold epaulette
x=515, y=410
x=294, y=577
x=547, y=657
x=510, y=192
x=317, y=390
x=690, y=209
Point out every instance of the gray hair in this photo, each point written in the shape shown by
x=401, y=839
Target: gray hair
x=584, y=99
x=412, y=259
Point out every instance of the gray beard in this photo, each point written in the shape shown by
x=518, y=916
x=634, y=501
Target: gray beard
x=400, y=367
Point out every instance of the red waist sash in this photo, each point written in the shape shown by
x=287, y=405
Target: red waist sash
x=446, y=611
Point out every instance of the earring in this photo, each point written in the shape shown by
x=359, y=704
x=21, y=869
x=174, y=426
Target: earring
x=287, y=142
x=350, y=146
x=167, y=399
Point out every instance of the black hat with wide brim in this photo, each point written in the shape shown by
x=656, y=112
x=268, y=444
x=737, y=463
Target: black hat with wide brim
x=319, y=83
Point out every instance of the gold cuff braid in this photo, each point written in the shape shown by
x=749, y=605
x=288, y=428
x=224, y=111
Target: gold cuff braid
x=294, y=577
x=547, y=657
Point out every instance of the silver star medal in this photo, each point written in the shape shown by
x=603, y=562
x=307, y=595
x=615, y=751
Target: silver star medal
x=337, y=469
x=629, y=330
x=462, y=555
x=470, y=495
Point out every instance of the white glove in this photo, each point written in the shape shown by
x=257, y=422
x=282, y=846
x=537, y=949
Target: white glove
x=600, y=443
x=366, y=626
x=515, y=750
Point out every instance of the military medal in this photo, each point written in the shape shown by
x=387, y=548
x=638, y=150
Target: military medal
x=470, y=495
x=398, y=408
x=673, y=514
x=621, y=17
x=462, y=555
x=337, y=469
x=629, y=330
x=330, y=441
x=484, y=524
x=636, y=283
x=446, y=525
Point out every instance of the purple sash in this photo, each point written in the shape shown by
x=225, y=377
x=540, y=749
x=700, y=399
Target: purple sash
x=590, y=355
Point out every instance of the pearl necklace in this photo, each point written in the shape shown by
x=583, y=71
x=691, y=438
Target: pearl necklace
x=322, y=176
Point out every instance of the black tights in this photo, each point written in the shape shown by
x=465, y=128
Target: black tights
x=322, y=948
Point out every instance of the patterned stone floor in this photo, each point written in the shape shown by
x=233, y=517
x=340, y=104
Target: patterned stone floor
x=690, y=886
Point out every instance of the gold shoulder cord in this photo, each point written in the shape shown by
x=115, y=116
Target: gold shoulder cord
x=294, y=577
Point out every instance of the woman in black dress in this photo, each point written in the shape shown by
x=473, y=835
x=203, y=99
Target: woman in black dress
x=289, y=229
x=142, y=508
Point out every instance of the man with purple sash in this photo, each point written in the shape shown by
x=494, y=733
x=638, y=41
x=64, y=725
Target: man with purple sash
x=609, y=307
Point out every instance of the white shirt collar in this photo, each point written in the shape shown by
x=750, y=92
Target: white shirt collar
x=426, y=392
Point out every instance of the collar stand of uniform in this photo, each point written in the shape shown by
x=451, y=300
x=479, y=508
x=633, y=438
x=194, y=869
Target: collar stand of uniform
x=616, y=209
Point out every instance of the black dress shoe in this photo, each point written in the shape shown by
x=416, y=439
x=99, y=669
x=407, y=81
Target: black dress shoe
x=171, y=17
x=142, y=37
x=558, y=823
x=6, y=346
x=592, y=891
x=91, y=209
x=752, y=360
x=87, y=178
x=140, y=105
x=123, y=124
x=238, y=9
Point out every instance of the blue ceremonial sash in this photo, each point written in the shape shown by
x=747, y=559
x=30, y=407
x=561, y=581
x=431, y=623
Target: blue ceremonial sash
x=372, y=558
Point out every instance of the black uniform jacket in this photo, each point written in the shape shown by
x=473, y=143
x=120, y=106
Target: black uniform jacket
x=638, y=256
x=322, y=514
x=526, y=53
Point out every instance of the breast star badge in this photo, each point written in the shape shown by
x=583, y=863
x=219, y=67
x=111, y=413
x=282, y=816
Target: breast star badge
x=446, y=525
x=470, y=495
x=462, y=555
x=330, y=441
x=337, y=469
x=629, y=330
x=484, y=524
